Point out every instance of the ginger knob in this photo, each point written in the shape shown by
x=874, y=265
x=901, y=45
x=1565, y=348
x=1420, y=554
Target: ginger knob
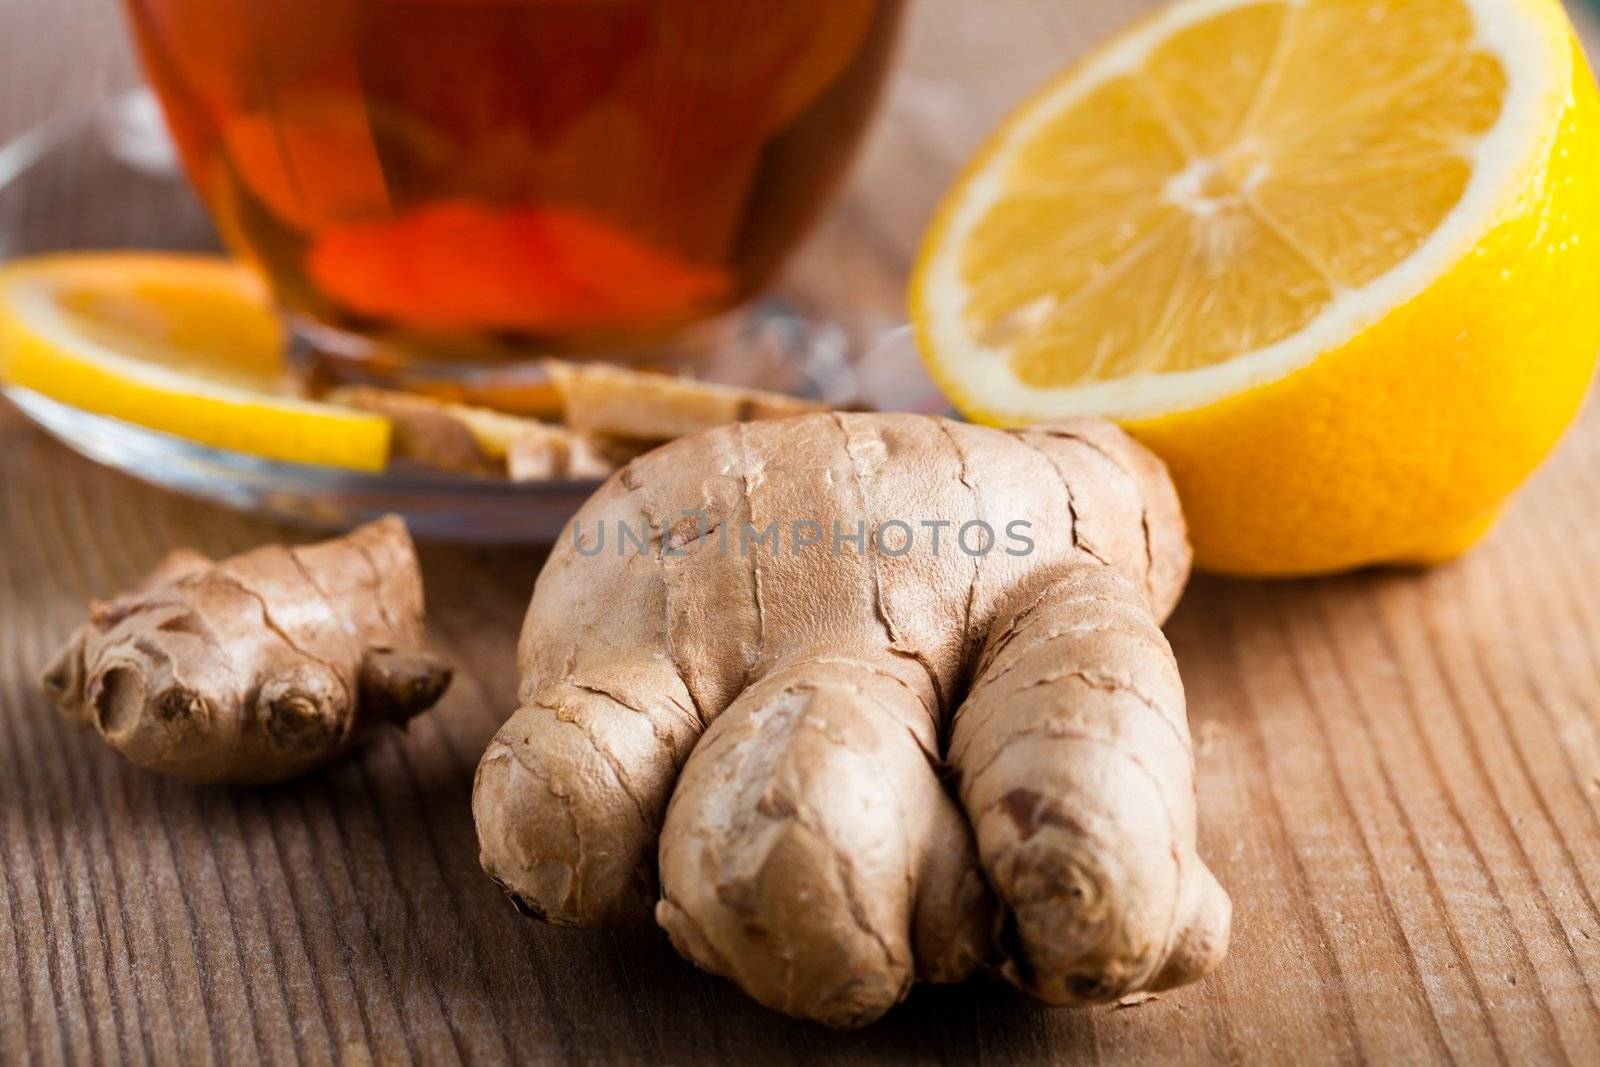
x=260, y=667
x=831, y=761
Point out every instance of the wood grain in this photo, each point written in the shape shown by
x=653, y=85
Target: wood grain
x=1399, y=772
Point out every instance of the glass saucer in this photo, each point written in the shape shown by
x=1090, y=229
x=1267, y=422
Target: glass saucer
x=106, y=178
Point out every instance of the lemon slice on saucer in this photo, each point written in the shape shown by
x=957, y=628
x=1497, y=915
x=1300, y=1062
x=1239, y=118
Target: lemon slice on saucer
x=183, y=344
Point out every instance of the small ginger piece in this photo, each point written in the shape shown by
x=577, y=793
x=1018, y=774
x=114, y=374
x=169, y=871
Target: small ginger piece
x=830, y=769
x=473, y=440
x=614, y=402
x=260, y=667
x=542, y=452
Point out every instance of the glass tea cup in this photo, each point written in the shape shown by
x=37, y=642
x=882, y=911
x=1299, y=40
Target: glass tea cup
x=458, y=183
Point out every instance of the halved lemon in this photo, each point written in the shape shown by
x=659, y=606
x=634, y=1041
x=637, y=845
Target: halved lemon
x=183, y=344
x=1336, y=261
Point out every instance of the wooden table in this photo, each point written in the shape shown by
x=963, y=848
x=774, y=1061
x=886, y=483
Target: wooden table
x=1399, y=773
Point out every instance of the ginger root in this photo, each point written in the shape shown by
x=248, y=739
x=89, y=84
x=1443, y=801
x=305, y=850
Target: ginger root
x=260, y=667
x=621, y=404
x=612, y=414
x=474, y=440
x=829, y=767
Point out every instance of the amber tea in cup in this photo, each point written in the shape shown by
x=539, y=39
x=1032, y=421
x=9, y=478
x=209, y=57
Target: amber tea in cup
x=555, y=174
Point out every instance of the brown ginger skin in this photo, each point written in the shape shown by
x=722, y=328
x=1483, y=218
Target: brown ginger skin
x=257, y=668
x=829, y=774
